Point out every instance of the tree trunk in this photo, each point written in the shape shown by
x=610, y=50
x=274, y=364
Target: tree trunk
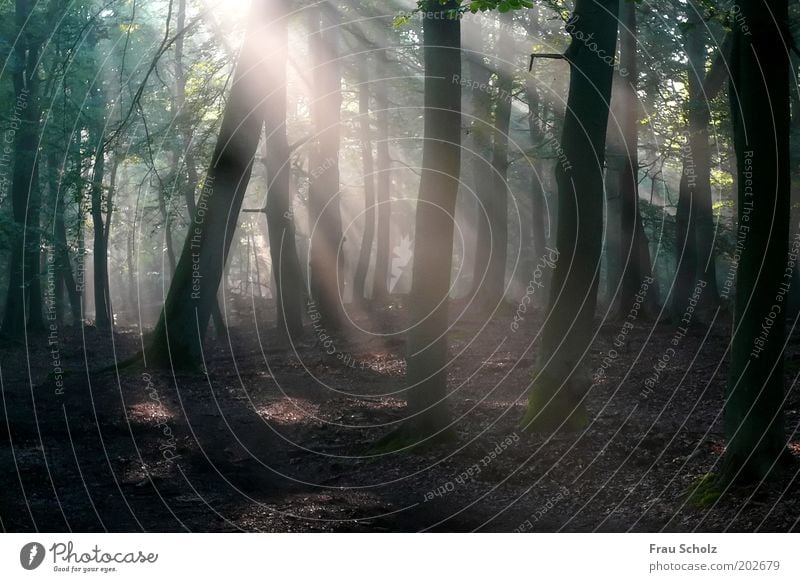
x=280, y=216
x=495, y=284
x=23, y=301
x=755, y=395
x=698, y=220
x=634, y=248
x=167, y=218
x=178, y=337
x=380, y=285
x=326, y=260
x=102, y=303
x=482, y=171
x=63, y=265
x=189, y=159
x=427, y=335
x=560, y=380
x=536, y=117
x=359, y=282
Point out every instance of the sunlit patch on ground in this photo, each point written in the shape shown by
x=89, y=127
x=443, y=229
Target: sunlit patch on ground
x=149, y=412
x=289, y=411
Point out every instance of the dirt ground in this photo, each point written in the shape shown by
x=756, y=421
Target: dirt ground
x=278, y=440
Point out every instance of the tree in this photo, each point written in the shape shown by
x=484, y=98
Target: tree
x=360, y=278
x=102, y=300
x=634, y=251
x=326, y=254
x=383, y=182
x=23, y=308
x=560, y=381
x=479, y=147
x=495, y=282
x=280, y=217
x=694, y=217
x=189, y=186
x=178, y=336
x=755, y=394
x=427, y=336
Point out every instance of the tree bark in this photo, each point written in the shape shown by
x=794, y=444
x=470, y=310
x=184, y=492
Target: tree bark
x=178, y=337
x=755, y=394
x=697, y=221
x=427, y=336
x=102, y=302
x=23, y=307
x=380, y=286
x=560, y=379
x=326, y=254
x=495, y=283
x=280, y=215
x=634, y=248
x=359, y=281
x=481, y=126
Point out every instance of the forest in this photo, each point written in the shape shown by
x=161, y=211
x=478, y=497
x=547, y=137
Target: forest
x=399, y=266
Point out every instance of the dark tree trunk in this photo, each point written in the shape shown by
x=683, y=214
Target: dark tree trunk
x=280, y=216
x=755, y=395
x=359, y=282
x=178, y=336
x=166, y=216
x=23, y=301
x=63, y=265
x=560, y=379
x=427, y=336
x=102, y=302
x=685, y=241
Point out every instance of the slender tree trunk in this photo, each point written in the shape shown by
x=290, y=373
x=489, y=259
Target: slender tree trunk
x=280, y=215
x=100, y=250
x=165, y=216
x=697, y=221
x=190, y=185
x=634, y=248
x=112, y=189
x=380, y=285
x=482, y=171
x=536, y=120
x=755, y=395
x=33, y=249
x=133, y=305
x=178, y=336
x=561, y=379
x=495, y=284
x=63, y=264
x=427, y=336
x=359, y=282
x=327, y=240
x=192, y=178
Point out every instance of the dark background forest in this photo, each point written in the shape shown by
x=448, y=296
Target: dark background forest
x=454, y=265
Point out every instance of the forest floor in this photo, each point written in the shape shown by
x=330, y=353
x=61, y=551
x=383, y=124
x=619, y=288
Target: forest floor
x=276, y=439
